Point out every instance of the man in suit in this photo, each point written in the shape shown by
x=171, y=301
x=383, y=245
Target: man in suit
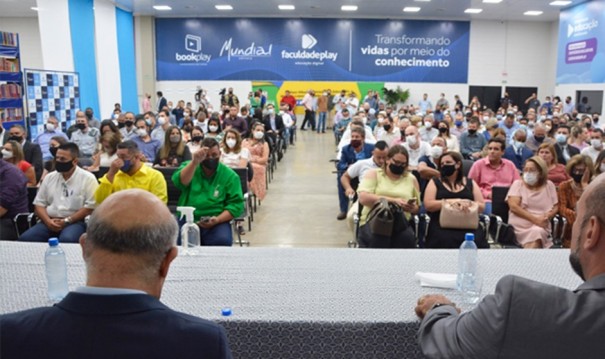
x=527, y=319
x=161, y=101
x=118, y=313
x=564, y=151
x=32, y=151
x=273, y=122
x=517, y=153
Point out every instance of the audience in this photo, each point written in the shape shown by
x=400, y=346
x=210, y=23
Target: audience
x=106, y=154
x=556, y=171
x=450, y=140
x=214, y=129
x=13, y=153
x=596, y=144
x=86, y=138
x=159, y=133
x=471, y=142
x=579, y=168
x=174, y=151
x=428, y=166
x=51, y=129
x=31, y=151
x=517, y=153
x=54, y=144
x=147, y=146
x=108, y=126
x=599, y=165
x=13, y=198
x=390, y=133
x=126, y=126
x=493, y=170
x=259, y=158
x=415, y=147
x=197, y=135
x=233, y=120
x=232, y=153
x=579, y=136
x=428, y=131
x=565, y=151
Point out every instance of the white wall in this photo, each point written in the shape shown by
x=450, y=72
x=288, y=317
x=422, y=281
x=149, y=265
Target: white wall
x=29, y=36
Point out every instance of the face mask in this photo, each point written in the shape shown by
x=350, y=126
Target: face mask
x=474, y=109
x=396, y=170
x=472, y=132
x=380, y=119
x=411, y=140
x=141, y=132
x=127, y=165
x=485, y=118
x=89, y=115
x=531, y=124
x=561, y=138
x=386, y=127
x=577, y=177
x=197, y=138
x=442, y=129
x=50, y=127
x=161, y=121
x=519, y=144
x=259, y=135
x=63, y=167
x=596, y=143
x=115, y=116
x=364, y=120
x=458, y=123
x=595, y=120
x=6, y=154
x=436, y=151
x=498, y=117
x=175, y=139
x=213, y=128
x=530, y=178
x=121, y=125
x=128, y=123
x=428, y=125
x=80, y=126
x=548, y=128
x=231, y=142
x=539, y=139
x=355, y=143
x=519, y=117
x=53, y=151
x=523, y=127
x=210, y=163
x=447, y=170
x=148, y=122
x=271, y=111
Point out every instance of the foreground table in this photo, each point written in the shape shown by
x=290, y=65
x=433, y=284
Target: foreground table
x=297, y=303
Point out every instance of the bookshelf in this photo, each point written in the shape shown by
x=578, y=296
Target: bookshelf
x=11, y=80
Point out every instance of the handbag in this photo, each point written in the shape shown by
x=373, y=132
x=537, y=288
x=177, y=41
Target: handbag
x=380, y=220
x=453, y=215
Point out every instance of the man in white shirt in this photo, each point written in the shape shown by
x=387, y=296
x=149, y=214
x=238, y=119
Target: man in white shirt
x=596, y=145
x=425, y=104
x=308, y=102
x=65, y=198
x=415, y=146
x=352, y=102
x=428, y=132
x=159, y=133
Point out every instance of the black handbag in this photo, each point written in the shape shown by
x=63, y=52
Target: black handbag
x=380, y=219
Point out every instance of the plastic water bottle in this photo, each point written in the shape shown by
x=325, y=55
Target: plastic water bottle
x=468, y=280
x=56, y=270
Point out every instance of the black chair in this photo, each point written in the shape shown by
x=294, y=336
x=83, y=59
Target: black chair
x=243, y=177
x=173, y=192
x=466, y=166
x=31, y=196
x=102, y=171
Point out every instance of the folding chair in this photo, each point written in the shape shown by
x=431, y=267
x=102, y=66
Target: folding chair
x=243, y=176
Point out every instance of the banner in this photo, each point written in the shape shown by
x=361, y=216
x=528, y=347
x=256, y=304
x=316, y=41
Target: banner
x=312, y=50
x=581, y=39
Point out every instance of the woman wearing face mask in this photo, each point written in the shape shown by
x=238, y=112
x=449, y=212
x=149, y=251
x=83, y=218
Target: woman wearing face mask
x=259, y=157
x=452, y=187
x=556, y=171
x=533, y=202
x=450, y=140
x=197, y=135
x=173, y=152
x=398, y=186
x=12, y=152
x=186, y=129
x=214, y=129
x=53, y=145
x=580, y=169
x=232, y=153
x=107, y=152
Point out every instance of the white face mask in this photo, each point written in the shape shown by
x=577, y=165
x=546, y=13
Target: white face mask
x=436, y=151
x=259, y=135
x=411, y=140
x=596, y=143
x=50, y=127
x=230, y=142
x=428, y=125
x=141, y=132
x=530, y=178
x=6, y=154
x=162, y=120
x=212, y=128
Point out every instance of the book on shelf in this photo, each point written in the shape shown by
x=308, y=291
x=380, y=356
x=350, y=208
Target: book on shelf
x=8, y=38
x=10, y=91
x=11, y=114
x=9, y=65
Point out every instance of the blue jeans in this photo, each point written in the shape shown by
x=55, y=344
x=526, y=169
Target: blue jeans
x=219, y=235
x=343, y=200
x=40, y=233
x=321, y=123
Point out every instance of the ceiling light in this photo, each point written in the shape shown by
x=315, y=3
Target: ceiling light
x=411, y=9
x=223, y=7
x=348, y=8
x=422, y=0
x=162, y=7
x=34, y=8
x=533, y=13
x=286, y=7
x=492, y=1
x=560, y=3
x=472, y=11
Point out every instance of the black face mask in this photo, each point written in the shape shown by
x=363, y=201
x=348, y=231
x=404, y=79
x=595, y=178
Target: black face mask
x=15, y=138
x=595, y=120
x=447, y=170
x=355, y=143
x=387, y=127
x=80, y=126
x=472, y=132
x=577, y=177
x=197, y=138
x=62, y=167
x=53, y=151
x=121, y=124
x=89, y=115
x=210, y=163
x=396, y=170
x=442, y=129
x=540, y=139
x=129, y=123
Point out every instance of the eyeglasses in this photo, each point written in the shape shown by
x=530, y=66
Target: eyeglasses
x=397, y=163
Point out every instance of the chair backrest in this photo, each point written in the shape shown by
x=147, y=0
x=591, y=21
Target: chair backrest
x=173, y=192
x=101, y=172
x=243, y=178
x=499, y=205
x=31, y=196
x=466, y=166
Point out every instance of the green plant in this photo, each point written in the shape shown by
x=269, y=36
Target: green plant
x=398, y=95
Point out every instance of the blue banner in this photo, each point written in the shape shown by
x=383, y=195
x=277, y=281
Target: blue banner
x=581, y=40
x=312, y=50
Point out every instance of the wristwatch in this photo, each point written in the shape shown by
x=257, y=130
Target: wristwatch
x=67, y=220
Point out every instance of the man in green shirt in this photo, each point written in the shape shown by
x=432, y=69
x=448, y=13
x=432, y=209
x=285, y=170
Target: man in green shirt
x=214, y=190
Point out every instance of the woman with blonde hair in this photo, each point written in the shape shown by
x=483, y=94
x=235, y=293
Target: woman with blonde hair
x=12, y=152
x=107, y=153
x=173, y=152
x=556, y=171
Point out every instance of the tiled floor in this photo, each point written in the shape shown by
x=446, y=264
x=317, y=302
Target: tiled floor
x=302, y=202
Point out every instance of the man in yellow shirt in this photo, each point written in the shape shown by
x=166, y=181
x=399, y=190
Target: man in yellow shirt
x=128, y=171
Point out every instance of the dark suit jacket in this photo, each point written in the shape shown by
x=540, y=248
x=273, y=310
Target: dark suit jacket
x=570, y=149
x=348, y=156
x=511, y=155
x=279, y=124
x=33, y=155
x=109, y=326
x=162, y=103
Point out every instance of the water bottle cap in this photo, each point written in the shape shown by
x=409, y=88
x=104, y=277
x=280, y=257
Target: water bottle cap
x=469, y=237
x=53, y=242
x=226, y=312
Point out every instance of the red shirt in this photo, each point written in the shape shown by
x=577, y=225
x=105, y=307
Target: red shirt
x=290, y=100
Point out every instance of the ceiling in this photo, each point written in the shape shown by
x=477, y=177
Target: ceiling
x=391, y=9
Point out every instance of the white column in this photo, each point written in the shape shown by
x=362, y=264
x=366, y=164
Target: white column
x=55, y=35
x=108, y=65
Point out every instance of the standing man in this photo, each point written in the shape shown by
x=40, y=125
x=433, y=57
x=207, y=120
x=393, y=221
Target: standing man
x=51, y=130
x=568, y=106
x=65, y=198
x=90, y=117
x=308, y=103
x=230, y=99
x=161, y=101
x=425, y=104
x=32, y=151
x=127, y=252
x=322, y=108
x=442, y=104
x=86, y=138
x=532, y=102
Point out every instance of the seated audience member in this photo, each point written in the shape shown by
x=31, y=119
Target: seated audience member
x=53, y=146
x=471, y=142
x=13, y=153
x=259, y=157
x=451, y=141
x=174, y=151
x=64, y=200
x=596, y=144
x=31, y=151
x=510, y=126
x=533, y=203
x=459, y=126
x=186, y=129
x=356, y=150
x=493, y=170
x=202, y=121
x=127, y=253
x=505, y=324
x=232, y=153
x=428, y=131
x=129, y=171
x=159, y=133
x=579, y=168
x=274, y=123
x=451, y=186
x=13, y=198
x=428, y=166
x=342, y=123
x=517, y=153
x=145, y=144
x=579, y=137
x=415, y=147
x=398, y=186
x=51, y=129
x=214, y=129
x=197, y=135
x=556, y=171
x=233, y=120
x=346, y=136
x=108, y=126
x=599, y=165
x=537, y=138
x=86, y=138
x=390, y=133
x=564, y=150
x=107, y=151
x=126, y=126
x=214, y=190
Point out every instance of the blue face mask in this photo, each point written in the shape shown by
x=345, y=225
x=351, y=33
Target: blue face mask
x=126, y=167
x=458, y=123
x=499, y=117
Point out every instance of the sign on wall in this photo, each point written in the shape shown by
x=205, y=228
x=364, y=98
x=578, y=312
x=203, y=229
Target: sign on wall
x=581, y=51
x=312, y=50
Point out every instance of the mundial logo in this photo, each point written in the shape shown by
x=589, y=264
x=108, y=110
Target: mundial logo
x=308, y=41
